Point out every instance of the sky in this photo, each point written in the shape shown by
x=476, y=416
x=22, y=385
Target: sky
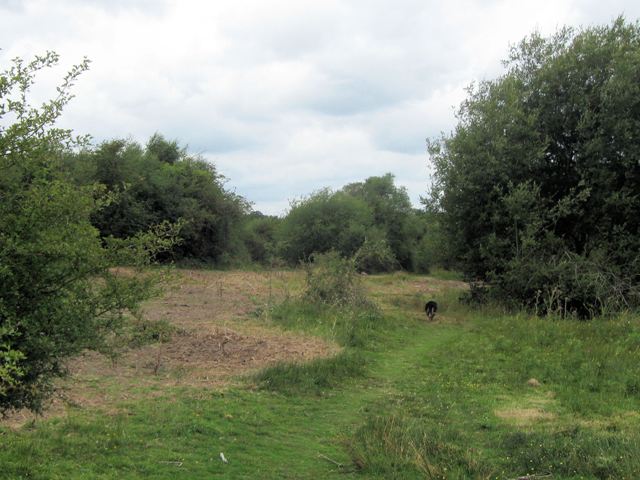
x=284, y=96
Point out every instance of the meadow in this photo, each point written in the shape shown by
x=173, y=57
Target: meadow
x=237, y=375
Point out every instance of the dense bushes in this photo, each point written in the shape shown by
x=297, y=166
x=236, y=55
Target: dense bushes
x=322, y=222
x=539, y=186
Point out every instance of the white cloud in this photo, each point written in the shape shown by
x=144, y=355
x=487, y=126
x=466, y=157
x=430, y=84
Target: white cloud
x=284, y=96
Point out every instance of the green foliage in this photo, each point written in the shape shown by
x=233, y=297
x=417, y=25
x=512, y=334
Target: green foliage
x=58, y=293
x=392, y=214
x=431, y=249
x=322, y=222
x=143, y=332
x=260, y=234
x=333, y=280
x=162, y=183
x=375, y=256
x=375, y=209
x=542, y=171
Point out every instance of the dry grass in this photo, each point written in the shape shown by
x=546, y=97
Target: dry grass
x=218, y=340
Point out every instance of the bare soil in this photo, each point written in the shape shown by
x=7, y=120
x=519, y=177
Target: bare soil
x=219, y=338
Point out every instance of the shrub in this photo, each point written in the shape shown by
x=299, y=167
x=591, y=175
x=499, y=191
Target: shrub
x=59, y=294
x=544, y=161
x=375, y=256
x=333, y=280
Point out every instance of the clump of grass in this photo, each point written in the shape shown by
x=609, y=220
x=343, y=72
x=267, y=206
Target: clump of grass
x=313, y=377
x=396, y=446
x=334, y=305
x=353, y=329
x=349, y=327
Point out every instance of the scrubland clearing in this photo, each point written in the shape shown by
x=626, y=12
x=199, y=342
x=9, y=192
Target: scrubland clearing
x=284, y=389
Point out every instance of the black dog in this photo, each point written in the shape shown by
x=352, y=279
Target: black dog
x=431, y=308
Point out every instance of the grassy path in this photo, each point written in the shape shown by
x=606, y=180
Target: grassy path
x=182, y=434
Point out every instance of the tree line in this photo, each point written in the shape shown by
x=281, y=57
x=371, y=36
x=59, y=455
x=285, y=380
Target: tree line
x=161, y=182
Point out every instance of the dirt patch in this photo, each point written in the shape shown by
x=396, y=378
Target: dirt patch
x=524, y=416
x=203, y=359
x=528, y=409
x=218, y=339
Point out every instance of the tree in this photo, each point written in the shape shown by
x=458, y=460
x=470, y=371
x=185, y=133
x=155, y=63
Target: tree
x=58, y=292
x=539, y=185
x=392, y=214
x=163, y=183
x=323, y=222
x=260, y=236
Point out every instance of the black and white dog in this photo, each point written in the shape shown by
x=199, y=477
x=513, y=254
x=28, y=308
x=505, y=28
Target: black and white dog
x=430, y=309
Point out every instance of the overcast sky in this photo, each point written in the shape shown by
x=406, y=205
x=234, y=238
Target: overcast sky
x=288, y=96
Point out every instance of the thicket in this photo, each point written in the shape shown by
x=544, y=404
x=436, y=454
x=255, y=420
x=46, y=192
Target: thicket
x=160, y=181
x=538, y=188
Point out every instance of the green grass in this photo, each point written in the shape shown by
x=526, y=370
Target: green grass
x=315, y=377
x=404, y=399
x=443, y=418
x=442, y=274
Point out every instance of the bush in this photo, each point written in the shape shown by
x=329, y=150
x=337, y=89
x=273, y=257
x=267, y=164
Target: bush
x=59, y=294
x=539, y=186
x=565, y=285
x=375, y=256
x=323, y=222
x=333, y=280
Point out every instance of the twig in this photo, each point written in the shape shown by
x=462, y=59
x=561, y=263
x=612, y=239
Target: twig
x=174, y=463
x=324, y=457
